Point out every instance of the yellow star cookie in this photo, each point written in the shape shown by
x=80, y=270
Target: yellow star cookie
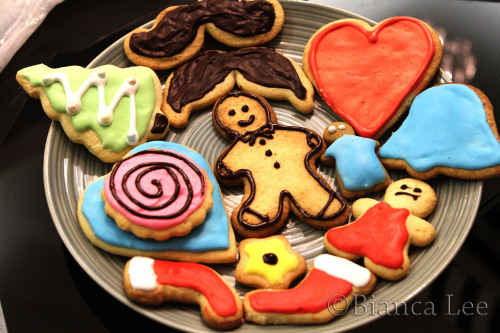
x=268, y=263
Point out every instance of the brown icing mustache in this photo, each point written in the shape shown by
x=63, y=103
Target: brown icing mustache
x=179, y=27
x=263, y=66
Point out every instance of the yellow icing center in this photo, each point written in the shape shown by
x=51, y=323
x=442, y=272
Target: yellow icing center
x=272, y=273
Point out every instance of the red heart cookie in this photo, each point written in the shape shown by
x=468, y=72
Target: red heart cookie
x=369, y=75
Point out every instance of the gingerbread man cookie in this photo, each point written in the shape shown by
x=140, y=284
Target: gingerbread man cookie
x=358, y=169
x=383, y=231
x=276, y=165
x=269, y=263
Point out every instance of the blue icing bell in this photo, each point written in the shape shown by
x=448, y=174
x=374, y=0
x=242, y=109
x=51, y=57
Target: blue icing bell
x=446, y=126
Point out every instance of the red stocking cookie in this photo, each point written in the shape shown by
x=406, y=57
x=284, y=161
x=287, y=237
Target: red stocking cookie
x=325, y=292
x=154, y=282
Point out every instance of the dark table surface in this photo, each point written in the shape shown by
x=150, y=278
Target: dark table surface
x=43, y=289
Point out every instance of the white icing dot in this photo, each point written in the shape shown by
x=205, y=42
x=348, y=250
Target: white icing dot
x=132, y=138
x=332, y=129
x=132, y=81
x=47, y=81
x=105, y=119
x=101, y=74
x=342, y=127
x=73, y=108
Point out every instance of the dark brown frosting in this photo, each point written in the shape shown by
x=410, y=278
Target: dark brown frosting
x=160, y=124
x=178, y=28
x=263, y=66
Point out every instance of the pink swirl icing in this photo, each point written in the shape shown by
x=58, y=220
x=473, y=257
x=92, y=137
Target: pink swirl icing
x=157, y=189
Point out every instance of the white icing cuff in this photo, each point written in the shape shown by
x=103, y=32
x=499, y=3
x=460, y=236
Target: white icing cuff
x=141, y=273
x=343, y=269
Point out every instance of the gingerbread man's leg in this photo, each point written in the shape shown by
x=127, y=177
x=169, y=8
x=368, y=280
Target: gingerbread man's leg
x=319, y=205
x=261, y=213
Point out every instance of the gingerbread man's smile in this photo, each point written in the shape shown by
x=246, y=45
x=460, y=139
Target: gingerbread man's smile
x=244, y=123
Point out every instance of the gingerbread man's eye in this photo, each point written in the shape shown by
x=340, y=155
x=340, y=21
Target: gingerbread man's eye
x=231, y=112
x=404, y=187
x=262, y=141
x=269, y=152
x=244, y=108
x=417, y=190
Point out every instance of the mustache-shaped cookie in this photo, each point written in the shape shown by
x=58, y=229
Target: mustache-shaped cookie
x=178, y=32
x=200, y=82
x=108, y=109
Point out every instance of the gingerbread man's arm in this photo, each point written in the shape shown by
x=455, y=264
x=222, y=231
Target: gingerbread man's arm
x=360, y=206
x=421, y=232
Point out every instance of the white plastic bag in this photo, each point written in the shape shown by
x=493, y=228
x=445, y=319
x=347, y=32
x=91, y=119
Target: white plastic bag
x=18, y=20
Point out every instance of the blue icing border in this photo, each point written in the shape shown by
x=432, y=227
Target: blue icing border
x=212, y=234
x=446, y=126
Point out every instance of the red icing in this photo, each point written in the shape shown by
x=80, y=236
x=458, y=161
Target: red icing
x=365, y=75
x=312, y=295
x=379, y=234
x=200, y=278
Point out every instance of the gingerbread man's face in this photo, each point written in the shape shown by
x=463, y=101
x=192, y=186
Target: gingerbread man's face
x=336, y=130
x=415, y=195
x=241, y=113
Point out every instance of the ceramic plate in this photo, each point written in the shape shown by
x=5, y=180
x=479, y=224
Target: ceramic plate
x=70, y=168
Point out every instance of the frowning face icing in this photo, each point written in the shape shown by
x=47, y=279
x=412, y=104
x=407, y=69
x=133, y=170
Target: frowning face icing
x=415, y=195
x=241, y=113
